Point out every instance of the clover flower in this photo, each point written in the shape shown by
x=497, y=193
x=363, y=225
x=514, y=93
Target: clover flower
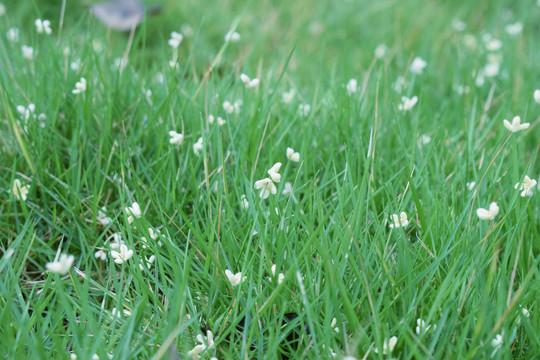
x=536, y=96
x=280, y=276
x=102, y=218
x=417, y=66
x=176, y=138
x=422, y=328
x=388, y=345
x=352, y=87
x=232, y=36
x=514, y=29
x=175, y=40
x=148, y=262
x=123, y=255
x=288, y=96
x=43, y=26
x=101, y=255
x=154, y=235
x=235, y=279
x=407, y=103
x=485, y=214
x=62, y=265
x=28, y=52
x=304, y=109
x=292, y=155
x=13, y=35
x=198, y=146
x=267, y=187
x=20, y=191
x=26, y=113
x=249, y=83
x=199, y=349
x=516, y=124
x=133, y=211
x=80, y=86
x=380, y=51
x=527, y=186
x=399, y=221
x=273, y=172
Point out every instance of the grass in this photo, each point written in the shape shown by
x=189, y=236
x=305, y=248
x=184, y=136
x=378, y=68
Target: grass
x=361, y=160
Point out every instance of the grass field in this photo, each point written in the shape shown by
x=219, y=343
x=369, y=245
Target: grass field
x=390, y=107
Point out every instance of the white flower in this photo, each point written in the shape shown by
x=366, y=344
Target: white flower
x=199, y=349
x=381, y=50
x=490, y=214
x=115, y=313
x=237, y=105
x=458, y=25
x=293, y=156
x=62, y=265
x=19, y=191
x=470, y=185
x=424, y=139
x=526, y=313
x=516, y=124
x=148, y=262
x=422, y=328
x=175, y=40
x=13, y=35
x=287, y=189
x=514, y=29
x=398, y=84
x=407, y=104
x=243, y=202
x=80, y=86
x=176, y=138
x=352, y=87
x=95, y=357
x=100, y=254
x=288, y=96
x=232, y=36
x=470, y=41
x=133, y=211
x=461, y=89
x=228, y=107
x=2, y=9
x=527, y=186
x=491, y=69
x=28, y=52
x=273, y=172
x=536, y=96
x=333, y=325
x=304, y=109
x=43, y=26
x=235, y=279
x=198, y=146
x=102, y=218
x=123, y=255
x=25, y=113
x=267, y=187
x=388, y=345
x=280, y=275
x=73, y=356
x=249, y=83
x=497, y=341
x=221, y=121
x=399, y=221
x=417, y=66
x=493, y=44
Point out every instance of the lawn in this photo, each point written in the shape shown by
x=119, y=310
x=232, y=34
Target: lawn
x=271, y=179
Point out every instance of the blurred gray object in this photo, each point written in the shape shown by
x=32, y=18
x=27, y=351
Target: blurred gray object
x=122, y=15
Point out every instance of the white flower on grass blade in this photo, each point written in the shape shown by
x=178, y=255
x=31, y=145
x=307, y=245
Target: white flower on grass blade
x=273, y=172
x=536, y=96
x=292, y=155
x=249, y=83
x=26, y=113
x=102, y=218
x=485, y=214
x=458, y=25
x=407, y=103
x=232, y=36
x=304, y=109
x=73, y=356
x=176, y=138
x=244, y=202
x=491, y=69
x=288, y=96
x=43, y=26
x=267, y=187
x=221, y=121
x=470, y=185
x=228, y=107
x=381, y=50
x=175, y=40
x=28, y=52
x=100, y=255
x=352, y=87
x=493, y=44
x=148, y=263
x=515, y=125
x=199, y=349
x=62, y=265
x=333, y=325
x=154, y=235
x=133, y=211
x=20, y=191
x=80, y=86
x=388, y=345
x=123, y=255
x=235, y=279
x=399, y=221
x=418, y=65
x=514, y=29
x=280, y=276
x=424, y=139
x=422, y=328
x=527, y=186
x=115, y=313
x=13, y=35
x=198, y=146
x=496, y=343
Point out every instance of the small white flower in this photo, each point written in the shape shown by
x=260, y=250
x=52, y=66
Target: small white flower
x=514, y=29
x=198, y=146
x=497, y=341
x=73, y=356
x=333, y=325
x=175, y=40
x=102, y=218
x=352, y=87
x=491, y=69
x=458, y=25
x=292, y=155
x=280, y=276
x=101, y=255
x=2, y=9
x=267, y=187
x=470, y=185
x=228, y=107
x=461, y=89
x=221, y=121
x=244, y=202
x=388, y=345
x=133, y=211
x=399, y=221
x=273, y=172
x=485, y=214
x=235, y=279
x=287, y=189
x=536, y=96
x=123, y=255
x=526, y=313
x=115, y=313
x=28, y=52
x=407, y=104
x=19, y=191
x=424, y=139
x=95, y=357
x=516, y=124
x=80, y=86
x=62, y=265
x=381, y=50
x=43, y=26
x=418, y=65
x=13, y=35
x=176, y=138
x=288, y=96
x=232, y=36
x=304, y=109
x=527, y=186
x=26, y=113
x=422, y=328
x=148, y=262
x=249, y=83
x=493, y=44
x=470, y=41
x=398, y=84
